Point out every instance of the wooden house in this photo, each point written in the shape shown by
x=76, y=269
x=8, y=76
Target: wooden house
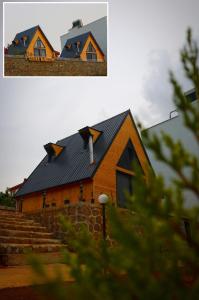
x=80, y=167
x=33, y=44
x=83, y=47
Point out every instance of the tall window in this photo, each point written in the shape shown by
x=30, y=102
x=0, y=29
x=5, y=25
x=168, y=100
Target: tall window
x=91, y=53
x=39, y=49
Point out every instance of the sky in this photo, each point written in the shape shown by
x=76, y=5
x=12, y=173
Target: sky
x=43, y=13
x=143, y=45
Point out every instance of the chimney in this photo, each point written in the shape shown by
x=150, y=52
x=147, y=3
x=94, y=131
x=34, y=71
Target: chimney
x=91, y=149
x=77, y=24
x=88, y=141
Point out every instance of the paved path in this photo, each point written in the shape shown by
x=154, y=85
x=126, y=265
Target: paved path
x=20, y=276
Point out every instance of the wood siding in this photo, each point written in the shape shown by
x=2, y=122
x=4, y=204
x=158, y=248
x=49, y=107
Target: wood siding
x=100, y=56
x=105, y=177
x=30, y=51
x=34, y=202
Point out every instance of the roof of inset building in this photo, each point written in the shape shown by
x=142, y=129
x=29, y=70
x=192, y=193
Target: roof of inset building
x=18, y=45
x=74, y=46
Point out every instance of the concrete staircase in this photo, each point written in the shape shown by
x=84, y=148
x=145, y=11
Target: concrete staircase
x=19, y=236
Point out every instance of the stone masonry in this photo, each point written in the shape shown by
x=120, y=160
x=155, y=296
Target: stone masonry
x=20, y=66
x=84, y=214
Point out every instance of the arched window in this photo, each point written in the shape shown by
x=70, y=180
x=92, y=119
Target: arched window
x=91, y=53
x=39, y=48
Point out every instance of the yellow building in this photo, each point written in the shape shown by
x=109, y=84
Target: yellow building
x=33, y=44
x=80, y=167
x=83, y=47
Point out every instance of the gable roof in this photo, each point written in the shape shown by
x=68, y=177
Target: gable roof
x=73, y=163
x=20, y=48
x=72, y=51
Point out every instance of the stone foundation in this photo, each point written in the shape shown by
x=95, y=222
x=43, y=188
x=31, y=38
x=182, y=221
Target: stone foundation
x=88, y=215
x=20, y=66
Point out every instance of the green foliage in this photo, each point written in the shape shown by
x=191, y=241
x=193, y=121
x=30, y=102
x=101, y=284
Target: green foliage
x=6, y=199
x=151, y=257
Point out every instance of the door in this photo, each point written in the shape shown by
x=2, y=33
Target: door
x=123, y=186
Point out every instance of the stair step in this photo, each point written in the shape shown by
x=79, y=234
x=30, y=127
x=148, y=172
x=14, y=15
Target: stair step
x=11, y=214
x=20, y=236
x=18, y=222
x=24, y=227
x=27, y=240
x=22, y=259
x=11, y=248
x=30, y=234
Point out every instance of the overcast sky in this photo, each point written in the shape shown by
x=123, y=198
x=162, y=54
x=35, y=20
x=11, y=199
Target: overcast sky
x=54, y=19
x=144, y=42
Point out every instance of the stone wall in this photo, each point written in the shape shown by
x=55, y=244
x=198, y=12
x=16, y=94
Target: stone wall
x=87, y=214
x=20, y=66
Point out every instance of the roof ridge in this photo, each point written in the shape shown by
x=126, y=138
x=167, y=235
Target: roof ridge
x=77, y=36
x=27, y=29
x=124, y=112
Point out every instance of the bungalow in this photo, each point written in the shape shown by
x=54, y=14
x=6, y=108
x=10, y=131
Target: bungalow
x=80, y=167
x=33, y=44
x=84, y=47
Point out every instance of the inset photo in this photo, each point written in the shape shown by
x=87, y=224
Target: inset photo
x=55, y=39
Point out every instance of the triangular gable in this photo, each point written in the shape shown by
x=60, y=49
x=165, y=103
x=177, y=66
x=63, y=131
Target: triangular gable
x=95, y=43
x=49, y=44
x=129, y=157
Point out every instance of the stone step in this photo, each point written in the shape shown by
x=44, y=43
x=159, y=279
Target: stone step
x=27, y=240
x=30, y=234
x=11, y=248
x=18, y=222
x=35, y=228
x=24, y=259
x=11, y=214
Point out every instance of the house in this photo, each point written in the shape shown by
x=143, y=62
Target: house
x=33, y=44
x=97, y=27
x=80, y=167
x=174, y=127
x=83, y=47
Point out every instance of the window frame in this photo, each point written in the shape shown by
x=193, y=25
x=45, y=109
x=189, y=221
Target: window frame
x=40, y=48
x=91, y=51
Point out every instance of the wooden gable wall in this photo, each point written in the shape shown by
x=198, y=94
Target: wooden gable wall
x=71, y=192
x=30, y=50
x=105, y=177
x=100, y=56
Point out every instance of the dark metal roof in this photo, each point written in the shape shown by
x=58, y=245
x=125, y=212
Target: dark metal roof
x=73, y=52
x=73, y=164
x=20, y=48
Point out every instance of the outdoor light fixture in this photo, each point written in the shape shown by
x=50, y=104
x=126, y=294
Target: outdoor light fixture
x=103, y=199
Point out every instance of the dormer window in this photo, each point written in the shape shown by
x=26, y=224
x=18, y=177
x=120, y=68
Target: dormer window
x=91, y=53
x=24, y=39
x=53, y=150
x=39, y=49
x=68, y=46
x=15, y=42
